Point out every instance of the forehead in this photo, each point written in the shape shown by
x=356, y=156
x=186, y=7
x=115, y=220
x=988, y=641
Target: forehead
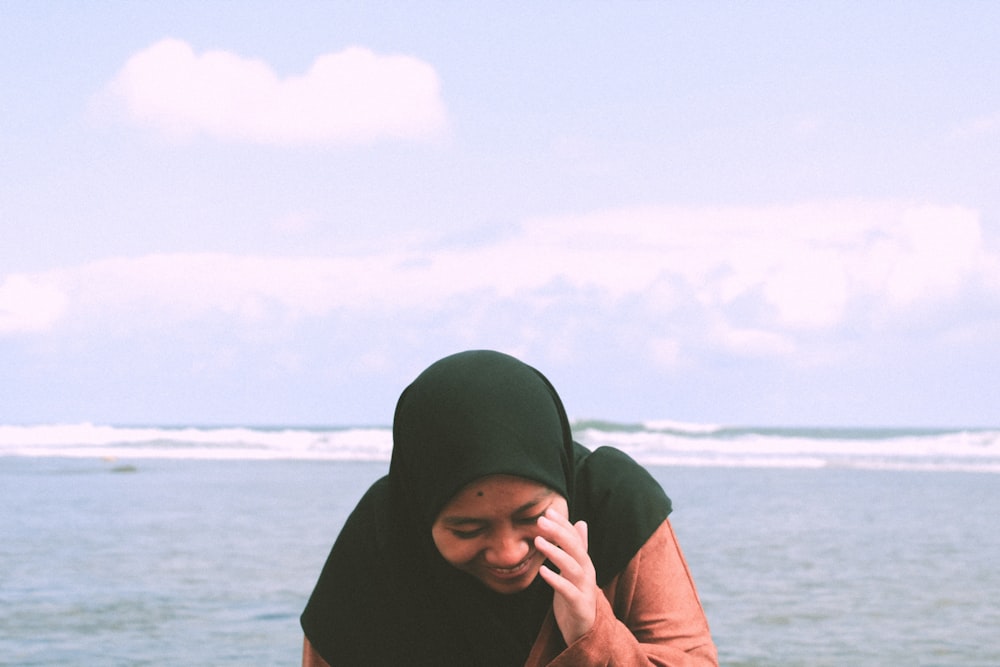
x=496, y=494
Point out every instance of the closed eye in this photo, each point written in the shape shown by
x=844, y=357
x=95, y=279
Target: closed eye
x=476, y=532
x=531, y=520
x=467, y=534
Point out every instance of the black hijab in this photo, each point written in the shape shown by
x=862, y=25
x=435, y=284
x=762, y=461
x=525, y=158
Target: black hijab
x=387, y=597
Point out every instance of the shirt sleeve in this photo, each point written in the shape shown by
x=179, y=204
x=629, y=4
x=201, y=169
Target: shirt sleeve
x=649, y=615
x=311, y=657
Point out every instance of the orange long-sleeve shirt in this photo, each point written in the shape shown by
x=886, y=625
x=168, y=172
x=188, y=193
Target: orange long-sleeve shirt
x=650, y=615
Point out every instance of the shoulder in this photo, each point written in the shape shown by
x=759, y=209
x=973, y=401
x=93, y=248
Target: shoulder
x=622, y=504
x=352, y=597
x=609, y=480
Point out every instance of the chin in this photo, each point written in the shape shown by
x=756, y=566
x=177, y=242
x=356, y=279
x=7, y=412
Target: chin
x=508, y=584
x=508, y=588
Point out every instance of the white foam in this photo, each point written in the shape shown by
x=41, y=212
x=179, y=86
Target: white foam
x=680, y=427
x=83, y=440
x=975, y=450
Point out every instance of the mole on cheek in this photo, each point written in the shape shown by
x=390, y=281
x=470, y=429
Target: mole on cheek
x=479, y=493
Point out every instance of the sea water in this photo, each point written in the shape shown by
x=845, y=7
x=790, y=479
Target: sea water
x=200, y=546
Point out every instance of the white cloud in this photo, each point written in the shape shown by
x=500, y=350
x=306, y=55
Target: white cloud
x=28, y=304
x=806, y=262
x=251, y=288
x=665, y=352
x=808, y=291
x=769, y=274
x=753, y=343
x=932, y=259
x=351, y=96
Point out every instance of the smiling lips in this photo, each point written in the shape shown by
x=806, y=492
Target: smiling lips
x=514, y=572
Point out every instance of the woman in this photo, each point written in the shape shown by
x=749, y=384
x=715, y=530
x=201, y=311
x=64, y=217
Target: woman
x=497, y=540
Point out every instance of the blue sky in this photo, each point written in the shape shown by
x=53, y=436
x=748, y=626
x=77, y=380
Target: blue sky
x=279, y=213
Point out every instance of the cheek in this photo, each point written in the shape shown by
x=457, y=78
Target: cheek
x=452, y=549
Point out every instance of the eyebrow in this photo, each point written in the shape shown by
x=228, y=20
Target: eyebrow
x=468, y=520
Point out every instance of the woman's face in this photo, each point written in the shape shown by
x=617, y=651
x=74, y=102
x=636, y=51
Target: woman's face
x=488, y=530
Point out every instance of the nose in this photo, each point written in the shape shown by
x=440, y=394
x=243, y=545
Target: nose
x=507, y=549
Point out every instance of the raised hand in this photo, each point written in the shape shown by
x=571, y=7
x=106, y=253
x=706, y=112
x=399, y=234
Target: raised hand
x=575, y=601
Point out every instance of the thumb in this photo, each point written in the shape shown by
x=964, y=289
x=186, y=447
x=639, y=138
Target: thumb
x=581, y=530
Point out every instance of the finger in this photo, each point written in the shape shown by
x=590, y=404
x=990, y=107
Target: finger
x=560, y=531
x=569, y=566
x=583, y=530
x=560, y=584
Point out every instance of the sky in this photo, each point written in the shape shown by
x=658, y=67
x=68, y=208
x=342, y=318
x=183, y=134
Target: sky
x=279, y=213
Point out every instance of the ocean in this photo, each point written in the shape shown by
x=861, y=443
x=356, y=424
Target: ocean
x=200, y=546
